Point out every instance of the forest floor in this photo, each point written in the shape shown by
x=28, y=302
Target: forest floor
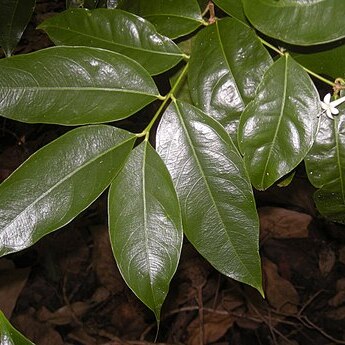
x=66, y=289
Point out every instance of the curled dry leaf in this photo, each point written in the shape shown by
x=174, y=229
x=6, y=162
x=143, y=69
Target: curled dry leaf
x=215, y=326
x=104, y=262
x=12, y=282
x=37, y=332
x=283, y=223
x=337, y=314
x=339, y=298
x=326, y=261
x=279, y=292
x=64, y=315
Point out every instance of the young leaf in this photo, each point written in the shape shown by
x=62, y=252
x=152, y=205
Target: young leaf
x=298, y=22
x=223, y=76
x=58, y=182
x=14, y=17
x=277, y=128
x=145, y=226
x=73, y=85
x=232, y=7
x=172, y=18
x=217, y=203
x=115, y=30
x=9, y=335
x=325, y=164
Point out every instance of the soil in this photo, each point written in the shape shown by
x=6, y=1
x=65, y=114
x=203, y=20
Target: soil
x=67, y=290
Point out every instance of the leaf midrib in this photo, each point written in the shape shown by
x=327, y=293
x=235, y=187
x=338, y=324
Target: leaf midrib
x=65, y=179
x=227, y=63
x=264, y=173
x=79, y=89
x=147, y=250
x=209, y=190
x=158, y=52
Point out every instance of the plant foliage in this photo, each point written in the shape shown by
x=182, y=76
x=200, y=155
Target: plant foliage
x=241, y=112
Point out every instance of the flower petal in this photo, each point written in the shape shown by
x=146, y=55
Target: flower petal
x=324, y=106
x=327, y=98
x=334, y=111
x=329, y=114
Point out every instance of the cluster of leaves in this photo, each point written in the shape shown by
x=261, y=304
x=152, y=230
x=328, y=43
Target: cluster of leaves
x=235, y=117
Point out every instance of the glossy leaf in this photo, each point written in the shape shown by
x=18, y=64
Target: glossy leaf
x=14, y=17
x=325, y=165
x=9, y=335
x=145, y=226
x=172, y=18
x=232, y=7
x=117, y=31
x=226, y=66
x=217, y=203
x=73, y=85
x=277, y=128
x=182, y=92
x=58, y=182
x=300, y=22
x=330, y=62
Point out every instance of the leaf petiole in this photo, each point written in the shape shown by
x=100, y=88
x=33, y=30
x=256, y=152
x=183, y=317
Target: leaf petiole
x=169, y=96
x=281, y=53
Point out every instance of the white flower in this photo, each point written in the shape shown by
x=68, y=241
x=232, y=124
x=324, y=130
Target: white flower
x=330, y=108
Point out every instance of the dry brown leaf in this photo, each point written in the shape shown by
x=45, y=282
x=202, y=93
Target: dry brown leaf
x=339, y=298
x=283, y=223
x=82, y=337
x=279, y=292
x=104, y=262
x=64, y=315
x=215, y=327
x=326, y=261
x=337, y=314
x=340, y=284
x=232, y=300
x=12, y=282
x=38, y=333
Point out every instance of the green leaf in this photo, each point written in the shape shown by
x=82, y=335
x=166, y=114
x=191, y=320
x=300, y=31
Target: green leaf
x=330, y=62
x=300, y=22
x=232, y=7
x=217, y=203
x=145, y=226
x=223, y=75
x=325, y=164
x=9, y=335
x=277, y=128
x=14, y=17
x=58, y=182
x=117, y=31
x=172, y=18
x=73, y=85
